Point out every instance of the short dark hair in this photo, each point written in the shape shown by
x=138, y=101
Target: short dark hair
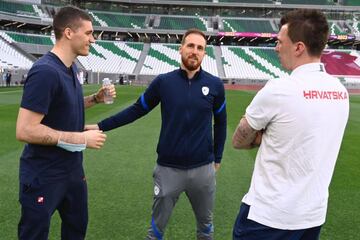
x=68, y=17
x=192, y=31
x=308, y=26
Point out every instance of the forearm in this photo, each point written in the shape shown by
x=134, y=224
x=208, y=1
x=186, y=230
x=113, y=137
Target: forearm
x=244, y=136
x=90, y=101
x=43, y=135
x=37, y=134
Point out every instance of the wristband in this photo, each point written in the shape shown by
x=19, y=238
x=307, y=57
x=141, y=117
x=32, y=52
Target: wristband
x=71, y=147
x=94, y=98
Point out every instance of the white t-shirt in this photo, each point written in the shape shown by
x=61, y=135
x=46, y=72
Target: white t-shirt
x=304, y=116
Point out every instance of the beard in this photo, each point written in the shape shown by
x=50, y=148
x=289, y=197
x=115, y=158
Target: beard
x=188, y=64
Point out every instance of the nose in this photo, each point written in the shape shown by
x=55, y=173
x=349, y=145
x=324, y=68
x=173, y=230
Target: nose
x=195, y=50
x=92, y=39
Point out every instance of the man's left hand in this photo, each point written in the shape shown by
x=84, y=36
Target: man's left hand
x=216, y=166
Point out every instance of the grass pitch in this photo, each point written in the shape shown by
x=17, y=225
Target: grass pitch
x=120, y=175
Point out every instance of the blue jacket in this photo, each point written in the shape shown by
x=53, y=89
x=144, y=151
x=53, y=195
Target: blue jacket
x=187, y=108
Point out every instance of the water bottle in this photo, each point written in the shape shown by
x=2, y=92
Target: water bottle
x=108, y=99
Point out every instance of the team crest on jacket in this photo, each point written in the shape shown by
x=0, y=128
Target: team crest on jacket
x=156, y=190
x=205, y=90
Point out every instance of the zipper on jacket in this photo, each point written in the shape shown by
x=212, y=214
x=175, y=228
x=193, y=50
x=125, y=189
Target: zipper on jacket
x=188, y=123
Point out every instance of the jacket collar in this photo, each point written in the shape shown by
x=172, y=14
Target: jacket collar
x=183, y=73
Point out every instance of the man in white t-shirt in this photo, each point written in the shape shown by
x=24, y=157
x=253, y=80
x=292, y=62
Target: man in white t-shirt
x=299, y=123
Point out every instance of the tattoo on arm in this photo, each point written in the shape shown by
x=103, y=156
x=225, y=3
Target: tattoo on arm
x=244, y=135
x=90, y=100
x=47, y=140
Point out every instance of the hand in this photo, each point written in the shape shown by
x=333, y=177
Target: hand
x=101, y=92
x=258, y=138
x=94, y=139
x=91, y=127
x=216, y=166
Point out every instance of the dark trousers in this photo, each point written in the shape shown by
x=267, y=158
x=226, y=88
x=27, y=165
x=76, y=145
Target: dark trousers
x=40, y=201
x=246, y=229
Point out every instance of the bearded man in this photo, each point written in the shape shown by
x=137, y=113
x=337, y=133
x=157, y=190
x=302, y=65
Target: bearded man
x=188, y=154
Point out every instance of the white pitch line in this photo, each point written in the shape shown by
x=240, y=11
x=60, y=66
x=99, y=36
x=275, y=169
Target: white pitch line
x=11, y=91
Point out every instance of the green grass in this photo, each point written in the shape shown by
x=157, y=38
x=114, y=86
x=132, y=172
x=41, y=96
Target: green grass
x=120, y=175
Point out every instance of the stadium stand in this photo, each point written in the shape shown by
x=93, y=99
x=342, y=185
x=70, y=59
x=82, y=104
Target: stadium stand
x=309, y=2
x=112, y=57
x=10, y=58
x=165, y=57
x=158, y=26
x=106, y=19
x=238, y=64
x=248, y=1
x=351, y=2
x=30, y=39
x=17, y=8
x=22, y=9
x=182, y=23
x=335, y=29
x=247, y=25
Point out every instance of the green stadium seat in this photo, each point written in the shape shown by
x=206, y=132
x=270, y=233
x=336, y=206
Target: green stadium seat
x=247, y=25
x=181, y=23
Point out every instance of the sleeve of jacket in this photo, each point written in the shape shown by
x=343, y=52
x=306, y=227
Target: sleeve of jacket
x=220, y=124
x=145, y=103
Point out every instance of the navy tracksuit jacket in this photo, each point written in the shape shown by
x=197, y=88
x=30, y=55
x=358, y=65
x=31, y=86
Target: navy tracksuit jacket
x=187, y=108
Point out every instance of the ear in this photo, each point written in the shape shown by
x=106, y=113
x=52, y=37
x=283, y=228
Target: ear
x=300, y=48
x=68, y=33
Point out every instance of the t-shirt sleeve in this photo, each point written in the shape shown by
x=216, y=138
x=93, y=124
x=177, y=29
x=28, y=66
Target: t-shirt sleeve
x=39, y=89
x=262, y=108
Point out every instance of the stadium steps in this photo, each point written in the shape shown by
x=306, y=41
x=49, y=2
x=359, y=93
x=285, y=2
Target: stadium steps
x=121, y=20
x=110, y=46
x=160, y=59
x=219, y=63
x=12, y=42
x=237, y=64
x=140, y=63
x=209, y=63
x=268, y=58
x=12, y=56
x=355, y=26
x=247, y=25
x=39, y=11
x=261, y=63
x=274, y=25
x=335, y=29
x=97, y=21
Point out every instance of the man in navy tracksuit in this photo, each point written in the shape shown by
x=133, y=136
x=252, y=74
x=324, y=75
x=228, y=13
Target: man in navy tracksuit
x=187, y=154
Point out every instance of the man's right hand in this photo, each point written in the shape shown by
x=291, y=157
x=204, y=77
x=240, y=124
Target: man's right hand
x=94, y=138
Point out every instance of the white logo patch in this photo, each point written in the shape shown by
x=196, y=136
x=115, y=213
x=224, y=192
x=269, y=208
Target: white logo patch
x=205, y=90
x=156, y=190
